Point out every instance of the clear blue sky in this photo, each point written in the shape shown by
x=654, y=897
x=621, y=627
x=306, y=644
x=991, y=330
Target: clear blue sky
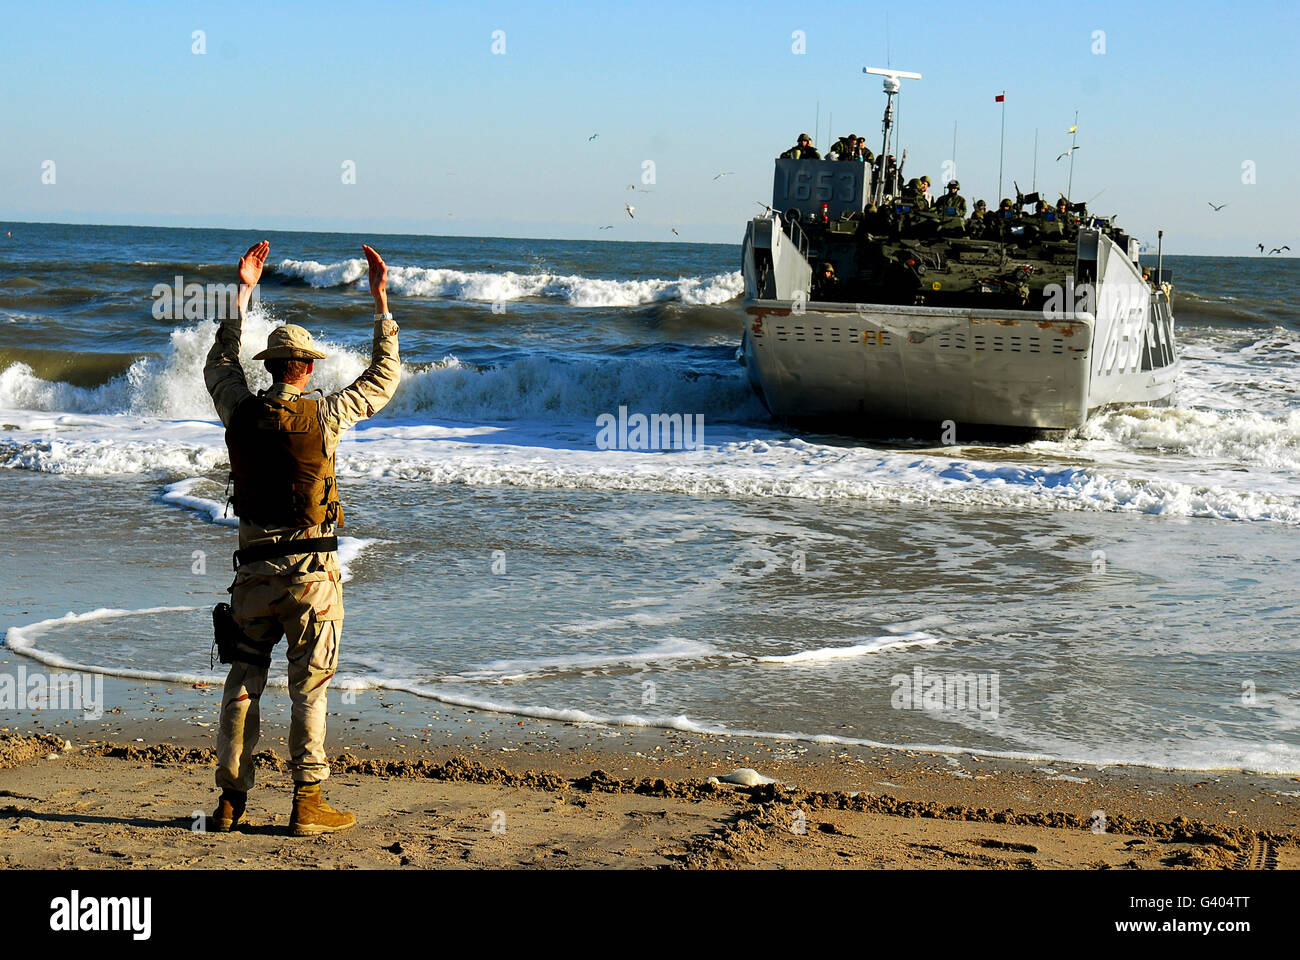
x=254, y=132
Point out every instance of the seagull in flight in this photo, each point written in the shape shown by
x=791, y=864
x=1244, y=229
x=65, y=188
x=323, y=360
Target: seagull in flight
x=610, y=227
x=1261, y=247
x=674, y=230
x=1279, y=249
x=727, y=174
x=1218, y=207
x=1068, y=152
x=592, y=137
x=631, y=210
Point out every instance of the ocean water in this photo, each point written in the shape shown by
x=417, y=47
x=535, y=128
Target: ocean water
x=1129, y=593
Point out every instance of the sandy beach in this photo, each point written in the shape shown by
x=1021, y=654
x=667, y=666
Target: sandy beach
x=509, y=794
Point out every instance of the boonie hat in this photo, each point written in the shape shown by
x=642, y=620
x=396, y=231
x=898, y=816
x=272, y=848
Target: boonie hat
x=290, y=342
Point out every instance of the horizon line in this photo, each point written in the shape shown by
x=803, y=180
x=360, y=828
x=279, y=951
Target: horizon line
x=380, y=233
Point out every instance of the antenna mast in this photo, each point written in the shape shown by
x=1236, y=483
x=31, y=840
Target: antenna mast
x=1074, y=143
x=1002, y=142
x=891, y=88
x=1034, y=188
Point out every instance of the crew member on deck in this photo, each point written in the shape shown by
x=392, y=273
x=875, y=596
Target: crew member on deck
x=1063, y=214
x=802, y=150
x=845, y=148
x=914, y=194
x=952, y=203
x=825, y=284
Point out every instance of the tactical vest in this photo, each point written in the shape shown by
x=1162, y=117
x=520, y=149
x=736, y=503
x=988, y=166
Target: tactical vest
x=281, y=475
x=913, y=196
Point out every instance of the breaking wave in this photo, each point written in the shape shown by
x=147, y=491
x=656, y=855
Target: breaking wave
x=171, y=385
x=576, y=291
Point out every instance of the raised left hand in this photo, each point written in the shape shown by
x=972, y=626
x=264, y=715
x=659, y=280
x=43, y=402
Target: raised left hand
x=251, y=263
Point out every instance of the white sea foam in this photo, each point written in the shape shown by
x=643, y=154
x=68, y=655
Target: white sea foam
x=665, y=651
x=107, y=457
x=576, y=291
x=874, y=645
x=178, y=494
x=561, y=455
x=23, y=640
x=1239, y=436
x=796, y=468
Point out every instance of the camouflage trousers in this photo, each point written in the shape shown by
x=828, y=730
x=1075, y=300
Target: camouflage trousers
x=310, y=616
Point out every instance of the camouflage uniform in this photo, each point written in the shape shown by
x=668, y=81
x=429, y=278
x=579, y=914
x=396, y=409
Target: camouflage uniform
x=858, y=151
x=1066, y=219
x=299, y=597
x=799, y=152
x=913, y=195
x=951, y=201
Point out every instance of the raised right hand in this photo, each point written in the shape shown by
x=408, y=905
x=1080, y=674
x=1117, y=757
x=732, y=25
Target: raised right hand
x=378, y=278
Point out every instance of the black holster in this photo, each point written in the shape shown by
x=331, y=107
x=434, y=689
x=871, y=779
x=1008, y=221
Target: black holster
x=228, y=637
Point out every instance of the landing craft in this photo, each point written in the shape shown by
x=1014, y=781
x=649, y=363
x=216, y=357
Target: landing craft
x=1019, y=323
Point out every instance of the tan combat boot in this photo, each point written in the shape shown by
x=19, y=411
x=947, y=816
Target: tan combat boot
x=229, y=812
x=312, y=815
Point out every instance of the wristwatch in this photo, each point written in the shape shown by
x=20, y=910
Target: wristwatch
x=383, y=316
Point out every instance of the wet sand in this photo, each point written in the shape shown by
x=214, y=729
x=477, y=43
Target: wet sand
x=479, y=790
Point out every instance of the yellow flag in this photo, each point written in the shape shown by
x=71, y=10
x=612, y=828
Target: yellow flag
x=1073, y=128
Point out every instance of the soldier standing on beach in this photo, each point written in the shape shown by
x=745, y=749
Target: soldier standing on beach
x=287, y=579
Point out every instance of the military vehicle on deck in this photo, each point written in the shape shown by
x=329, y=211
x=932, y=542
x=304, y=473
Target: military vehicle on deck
x=1021, y=322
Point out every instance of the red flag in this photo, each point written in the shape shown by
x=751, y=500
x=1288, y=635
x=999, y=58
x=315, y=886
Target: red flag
x=1000, y=97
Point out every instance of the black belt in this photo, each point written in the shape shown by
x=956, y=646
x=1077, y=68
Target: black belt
x=285, y=548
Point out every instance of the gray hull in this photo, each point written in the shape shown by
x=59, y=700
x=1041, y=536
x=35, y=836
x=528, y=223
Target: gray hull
x=869, y=364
